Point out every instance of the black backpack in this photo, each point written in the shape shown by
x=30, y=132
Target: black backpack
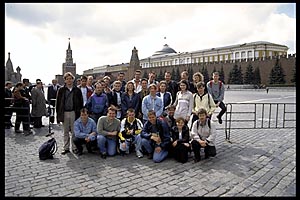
x=48, y=149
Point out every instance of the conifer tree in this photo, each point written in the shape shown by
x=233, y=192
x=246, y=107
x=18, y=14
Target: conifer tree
x=234, y=75
x=277, y=74
x=145, y=74
x=256, y=78
x=160, y=76
x=222, y=75
x=249, y=75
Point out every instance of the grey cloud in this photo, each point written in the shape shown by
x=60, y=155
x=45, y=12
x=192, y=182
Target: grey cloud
x=31, y=14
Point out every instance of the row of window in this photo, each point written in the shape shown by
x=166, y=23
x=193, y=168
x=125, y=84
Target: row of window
x=216, y=58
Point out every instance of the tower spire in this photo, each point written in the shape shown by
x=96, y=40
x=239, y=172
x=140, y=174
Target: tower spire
x=69, y=47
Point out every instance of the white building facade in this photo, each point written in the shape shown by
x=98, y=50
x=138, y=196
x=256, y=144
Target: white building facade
x=247, y=51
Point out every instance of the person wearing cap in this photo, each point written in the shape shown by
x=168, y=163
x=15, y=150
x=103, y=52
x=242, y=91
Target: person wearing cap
x=38, y=105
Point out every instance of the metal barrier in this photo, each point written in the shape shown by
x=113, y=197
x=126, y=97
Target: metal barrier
x=10, y=110
x=259, y=116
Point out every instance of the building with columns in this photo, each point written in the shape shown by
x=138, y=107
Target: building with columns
x=247, y=51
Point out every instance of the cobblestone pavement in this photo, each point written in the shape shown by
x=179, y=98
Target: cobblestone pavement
x=257, y=163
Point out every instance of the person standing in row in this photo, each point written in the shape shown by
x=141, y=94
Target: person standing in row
x=97, y=103
x=22, y=107
x=69, y=102
x=184, y=102
x=51, y=96
x=152, y=102
x=38, y=105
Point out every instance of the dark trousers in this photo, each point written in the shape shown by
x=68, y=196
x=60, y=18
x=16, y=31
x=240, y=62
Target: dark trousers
x=80, y=141
x=180, y=153
x=37, y=122
x=22, y=115
x=208, y=150
x=223, y=109
x=7, y=117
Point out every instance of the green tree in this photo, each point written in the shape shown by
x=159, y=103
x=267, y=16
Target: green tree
x=222, y=74
x=177, y=75
x=214, y=70
x=277, y=74
x=160, y=76
x=145, y=74
x=256, y=78
x=293, y=80
x=229, y=77
x=173, y=73
x=191, y=72
x=240, y=75
x=204, y=72
x=234, y=75
x=249, y=75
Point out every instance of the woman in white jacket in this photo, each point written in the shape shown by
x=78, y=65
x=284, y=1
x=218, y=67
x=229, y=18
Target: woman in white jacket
x=184, y=102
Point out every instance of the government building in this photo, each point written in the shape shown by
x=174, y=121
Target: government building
x=247, y=51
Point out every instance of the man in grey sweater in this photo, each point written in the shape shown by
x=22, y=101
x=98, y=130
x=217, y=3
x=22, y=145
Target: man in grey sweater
x=108, y=127
x=216, y=89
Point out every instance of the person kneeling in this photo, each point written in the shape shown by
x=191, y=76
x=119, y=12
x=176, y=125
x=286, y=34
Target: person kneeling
x=155, y=137
x=203, y=135
x=180, y=140
x=129, y=134
x=85, y=130
x=108, y=128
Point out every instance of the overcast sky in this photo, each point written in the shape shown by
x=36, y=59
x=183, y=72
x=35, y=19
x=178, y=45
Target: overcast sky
x=37, y=35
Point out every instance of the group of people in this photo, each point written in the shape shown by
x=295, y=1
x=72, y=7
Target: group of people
x=157, y=119
x=19, y=99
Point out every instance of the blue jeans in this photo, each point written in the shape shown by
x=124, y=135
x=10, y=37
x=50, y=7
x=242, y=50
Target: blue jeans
x=157, y=157
x=136, y=140
x=107, y=145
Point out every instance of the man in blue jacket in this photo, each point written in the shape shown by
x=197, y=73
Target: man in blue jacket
x=155, y=137
x=85, y=130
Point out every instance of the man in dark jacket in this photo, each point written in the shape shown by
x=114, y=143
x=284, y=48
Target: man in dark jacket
x=155, y=138
x=69, y=102
x=51, y=95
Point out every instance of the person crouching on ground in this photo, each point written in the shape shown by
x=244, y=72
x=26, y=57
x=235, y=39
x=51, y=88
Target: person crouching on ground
x=107, y=128
x=203, y=135
x=85, y=130
x=129, y=134
x=155, y=137
x=180, y=141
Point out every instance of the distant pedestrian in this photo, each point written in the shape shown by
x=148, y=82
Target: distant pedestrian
x=267, y=89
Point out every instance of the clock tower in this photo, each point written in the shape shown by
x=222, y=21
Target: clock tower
x=69, y=66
